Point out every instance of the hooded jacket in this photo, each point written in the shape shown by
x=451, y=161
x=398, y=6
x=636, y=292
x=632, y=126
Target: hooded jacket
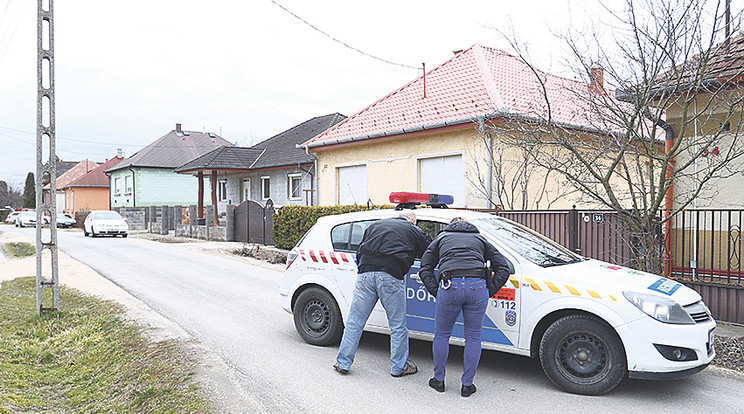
x=391, y=245
x=460, y=247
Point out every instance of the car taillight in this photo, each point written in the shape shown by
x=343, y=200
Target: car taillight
x=291, y=258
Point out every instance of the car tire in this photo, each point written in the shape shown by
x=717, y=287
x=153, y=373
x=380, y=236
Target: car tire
x=93, y=232
x=317, y=317
x=583, y=355
x=85, y=232
x=124, y=236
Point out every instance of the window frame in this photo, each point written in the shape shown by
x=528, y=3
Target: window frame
x=127, y=183
x=265, y=192
x=222, y=190
x=290, y=179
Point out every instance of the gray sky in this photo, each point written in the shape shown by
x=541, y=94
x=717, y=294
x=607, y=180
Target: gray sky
x=126, y=72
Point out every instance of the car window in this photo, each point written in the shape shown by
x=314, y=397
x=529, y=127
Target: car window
x=108, y=216
x=531, y=245
x=340, y=236
x=431, y=228
x=348, y=236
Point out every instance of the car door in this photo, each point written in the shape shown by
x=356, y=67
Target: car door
x=501, y=324
x=345, y=239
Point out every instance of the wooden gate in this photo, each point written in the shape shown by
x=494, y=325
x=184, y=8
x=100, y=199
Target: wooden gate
x=254, y=223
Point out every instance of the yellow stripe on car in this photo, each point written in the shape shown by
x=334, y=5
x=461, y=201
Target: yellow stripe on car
x=553, y=288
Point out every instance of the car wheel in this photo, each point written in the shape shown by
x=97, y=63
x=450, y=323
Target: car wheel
x=93, y=232
x=124, y=235
x=317, y=317
x=582, y=355
x=85, y=232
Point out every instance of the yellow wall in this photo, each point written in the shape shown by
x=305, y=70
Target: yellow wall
x=393, y=165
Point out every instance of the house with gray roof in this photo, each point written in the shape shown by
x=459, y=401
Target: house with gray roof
x=273, y=169
x=148, y=177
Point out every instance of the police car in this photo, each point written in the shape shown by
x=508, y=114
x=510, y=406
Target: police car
x=589, y=322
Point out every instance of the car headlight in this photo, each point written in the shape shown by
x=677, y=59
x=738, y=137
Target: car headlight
x=660, y=308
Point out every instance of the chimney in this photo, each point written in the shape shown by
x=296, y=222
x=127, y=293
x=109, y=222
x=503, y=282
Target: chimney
x=596, y=76
x=178, y=129
x=119, y=153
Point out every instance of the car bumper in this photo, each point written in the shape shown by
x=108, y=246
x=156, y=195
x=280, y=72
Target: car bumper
x=646, y=361
x=112, y=232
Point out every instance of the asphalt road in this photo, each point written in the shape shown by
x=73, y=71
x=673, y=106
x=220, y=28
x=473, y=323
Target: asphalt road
x=232, y=307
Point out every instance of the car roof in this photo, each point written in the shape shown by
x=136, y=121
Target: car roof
x=439, y=214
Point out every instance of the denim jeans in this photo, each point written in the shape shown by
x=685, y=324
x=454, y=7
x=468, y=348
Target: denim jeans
x=470, y=296
x=370, y=287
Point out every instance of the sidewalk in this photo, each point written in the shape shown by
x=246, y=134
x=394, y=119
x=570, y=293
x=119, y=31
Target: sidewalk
x=217, y=378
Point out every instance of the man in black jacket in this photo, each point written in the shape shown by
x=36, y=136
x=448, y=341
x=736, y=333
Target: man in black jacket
x=385, y=255
x=464, y=285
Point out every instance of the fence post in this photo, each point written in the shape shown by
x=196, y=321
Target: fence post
x=230, y=223
x=573, y=230
x=164, y=219
x=153, y=218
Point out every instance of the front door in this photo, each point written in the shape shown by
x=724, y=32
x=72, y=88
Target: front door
x=246, y=190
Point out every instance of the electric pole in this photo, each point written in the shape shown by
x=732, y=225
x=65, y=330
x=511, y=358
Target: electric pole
x=45, y=142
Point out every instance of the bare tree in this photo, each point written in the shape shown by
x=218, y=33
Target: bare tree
x=659, y=126
x=510, y=178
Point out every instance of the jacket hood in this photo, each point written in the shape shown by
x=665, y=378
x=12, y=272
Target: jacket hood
x=462, y=226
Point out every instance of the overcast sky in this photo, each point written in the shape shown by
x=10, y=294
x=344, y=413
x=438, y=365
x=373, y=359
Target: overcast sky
x=127, y=72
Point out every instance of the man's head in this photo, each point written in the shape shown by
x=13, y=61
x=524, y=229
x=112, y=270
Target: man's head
x=408, y=215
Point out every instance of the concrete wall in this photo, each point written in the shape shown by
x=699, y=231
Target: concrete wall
x=279, y=180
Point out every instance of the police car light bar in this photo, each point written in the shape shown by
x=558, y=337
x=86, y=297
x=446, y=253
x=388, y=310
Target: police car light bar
x=410, y=200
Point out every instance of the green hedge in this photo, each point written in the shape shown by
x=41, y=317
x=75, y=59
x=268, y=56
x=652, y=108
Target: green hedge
x=291, y=222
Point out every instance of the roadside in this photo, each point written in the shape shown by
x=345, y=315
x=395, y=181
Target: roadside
x=218, y=379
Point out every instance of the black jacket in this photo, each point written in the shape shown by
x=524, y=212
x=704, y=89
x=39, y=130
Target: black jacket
x=460, y=247
x=391, y=245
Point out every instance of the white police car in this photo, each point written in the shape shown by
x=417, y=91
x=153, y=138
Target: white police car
x=589, y=322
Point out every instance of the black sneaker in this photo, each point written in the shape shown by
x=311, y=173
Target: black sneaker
x=340, y=370
x=411, y=369
x=436, y=384
x=467, y=390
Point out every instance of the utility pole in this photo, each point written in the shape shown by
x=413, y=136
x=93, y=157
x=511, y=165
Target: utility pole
x=45, y=142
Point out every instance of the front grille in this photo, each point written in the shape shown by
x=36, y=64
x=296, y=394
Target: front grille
x=698, y=312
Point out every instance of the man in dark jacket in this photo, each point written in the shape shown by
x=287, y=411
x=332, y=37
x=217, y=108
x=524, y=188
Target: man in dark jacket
x=385, y=255
x=464, y=286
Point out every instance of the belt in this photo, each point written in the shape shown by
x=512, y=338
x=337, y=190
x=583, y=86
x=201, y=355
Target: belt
x=475, y=274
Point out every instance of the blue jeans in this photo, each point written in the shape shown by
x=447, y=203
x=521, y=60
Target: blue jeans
x=470, y=296
x=370, y=287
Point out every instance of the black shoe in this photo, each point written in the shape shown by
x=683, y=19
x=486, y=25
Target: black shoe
x=467, y=390
x=437, y=385
x=340, y=370
x=410, y=370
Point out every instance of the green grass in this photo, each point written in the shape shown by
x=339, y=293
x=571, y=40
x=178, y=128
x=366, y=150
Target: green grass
x=20, y=249
x=87, y=359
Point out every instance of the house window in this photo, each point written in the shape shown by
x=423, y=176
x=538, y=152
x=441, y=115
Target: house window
x=117, y=186
x=443, y=175
x=246, y=194
x=352, y=185
x=222, y=190
x=294, y=185
x=127, y=185
x=265, y=188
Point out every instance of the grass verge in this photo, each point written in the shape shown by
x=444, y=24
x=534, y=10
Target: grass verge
x=20, y=249
x=86, y=358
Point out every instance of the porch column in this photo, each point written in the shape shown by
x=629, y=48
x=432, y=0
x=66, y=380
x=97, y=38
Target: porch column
x=214, y=198
x=200, y=201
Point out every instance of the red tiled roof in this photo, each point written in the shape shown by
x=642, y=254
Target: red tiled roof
x=477, y=82
x=97, y=177
x=79, y=170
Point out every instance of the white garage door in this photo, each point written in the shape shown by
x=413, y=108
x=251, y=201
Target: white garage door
x=444, y=175
x=352, y=185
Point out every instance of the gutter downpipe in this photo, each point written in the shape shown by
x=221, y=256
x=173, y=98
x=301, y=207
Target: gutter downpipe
x=489, y=180
x=669, y=195
x=134, y=192
x=314, y=181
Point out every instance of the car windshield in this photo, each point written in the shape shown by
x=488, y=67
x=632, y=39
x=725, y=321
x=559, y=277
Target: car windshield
x=531, y=245
x=111, y=215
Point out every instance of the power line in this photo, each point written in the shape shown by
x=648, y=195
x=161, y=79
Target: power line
x=341, y=42
x=3, y=51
